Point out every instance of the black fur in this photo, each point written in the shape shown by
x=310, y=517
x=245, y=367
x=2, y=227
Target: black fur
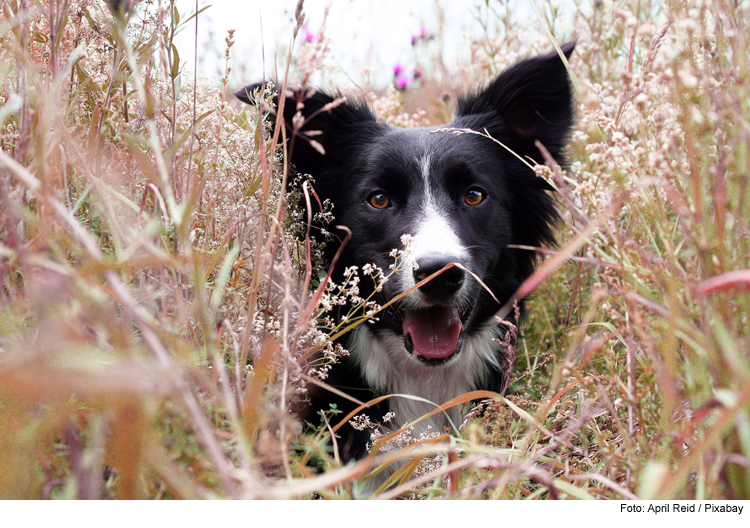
x=421, y=171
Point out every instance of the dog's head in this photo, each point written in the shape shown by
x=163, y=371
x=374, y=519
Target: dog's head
x=463, y=198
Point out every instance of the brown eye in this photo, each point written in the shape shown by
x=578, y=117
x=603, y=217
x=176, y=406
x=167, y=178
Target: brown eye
x=474, y=196
x=379, y=200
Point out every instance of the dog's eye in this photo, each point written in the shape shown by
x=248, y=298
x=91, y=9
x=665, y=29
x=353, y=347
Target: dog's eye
x=474, y=196
x=379, y=200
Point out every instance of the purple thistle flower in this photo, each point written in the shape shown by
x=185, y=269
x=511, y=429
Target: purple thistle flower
x=309, y=36
x=397, y=69
x=403, y=82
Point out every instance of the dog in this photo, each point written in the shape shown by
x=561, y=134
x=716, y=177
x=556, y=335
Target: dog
x=465, y=199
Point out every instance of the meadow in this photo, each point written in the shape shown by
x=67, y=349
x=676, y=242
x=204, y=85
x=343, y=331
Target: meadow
x=161, y=307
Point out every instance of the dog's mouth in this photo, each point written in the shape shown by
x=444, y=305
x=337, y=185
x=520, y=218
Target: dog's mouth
x=433, y=335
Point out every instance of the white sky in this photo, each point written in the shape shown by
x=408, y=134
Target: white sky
x=375, y=34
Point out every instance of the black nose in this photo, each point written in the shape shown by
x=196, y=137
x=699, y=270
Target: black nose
x=445, y=284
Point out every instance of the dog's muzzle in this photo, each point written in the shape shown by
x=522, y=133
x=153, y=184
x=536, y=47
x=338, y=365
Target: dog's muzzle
x=432, y=333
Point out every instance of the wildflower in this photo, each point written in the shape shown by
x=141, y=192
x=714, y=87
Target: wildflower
x=422, y=35
x=361, y=422
x=402, y=81
x=543, y=171
x=687, y=78
x=308, y=36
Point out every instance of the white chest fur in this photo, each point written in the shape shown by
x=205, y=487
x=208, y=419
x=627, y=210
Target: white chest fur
x=389, y=368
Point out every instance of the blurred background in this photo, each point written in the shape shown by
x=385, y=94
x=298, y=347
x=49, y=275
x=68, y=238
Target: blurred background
x=368, y=38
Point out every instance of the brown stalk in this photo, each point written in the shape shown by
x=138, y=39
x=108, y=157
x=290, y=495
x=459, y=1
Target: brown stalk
x=573, y=258
x=674, y=480
x=467, y=397
x=552, y=264
x=739, y=279
x=562, y=187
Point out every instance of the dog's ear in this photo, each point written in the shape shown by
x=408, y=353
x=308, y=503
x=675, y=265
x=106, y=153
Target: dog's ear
x=320, y=126
x=529, y=101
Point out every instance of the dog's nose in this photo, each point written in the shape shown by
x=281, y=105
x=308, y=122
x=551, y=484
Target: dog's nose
x=445, y=284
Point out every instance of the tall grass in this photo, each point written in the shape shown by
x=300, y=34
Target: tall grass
x=157, y=315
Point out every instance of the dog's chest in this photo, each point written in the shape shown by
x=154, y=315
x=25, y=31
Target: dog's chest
x=419, y=388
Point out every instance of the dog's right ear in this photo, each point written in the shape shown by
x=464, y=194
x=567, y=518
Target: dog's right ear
x=321, y=127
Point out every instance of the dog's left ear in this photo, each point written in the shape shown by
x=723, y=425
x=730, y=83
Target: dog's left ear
x=323, y=127
x=529, y=101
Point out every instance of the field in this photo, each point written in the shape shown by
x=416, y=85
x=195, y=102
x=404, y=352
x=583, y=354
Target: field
x=159, y=317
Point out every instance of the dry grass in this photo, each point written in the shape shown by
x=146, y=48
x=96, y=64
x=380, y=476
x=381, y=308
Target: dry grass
x=156, y=324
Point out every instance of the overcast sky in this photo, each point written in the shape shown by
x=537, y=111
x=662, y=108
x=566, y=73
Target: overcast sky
x=375, y=34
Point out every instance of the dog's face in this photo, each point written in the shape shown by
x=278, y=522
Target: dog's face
x=447, y=193
x=462, y=197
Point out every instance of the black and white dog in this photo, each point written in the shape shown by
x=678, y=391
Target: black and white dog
x=463, y=199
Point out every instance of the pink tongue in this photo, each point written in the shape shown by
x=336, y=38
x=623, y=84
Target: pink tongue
x=433, y=331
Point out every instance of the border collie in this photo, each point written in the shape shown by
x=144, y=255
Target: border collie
x=464, y=199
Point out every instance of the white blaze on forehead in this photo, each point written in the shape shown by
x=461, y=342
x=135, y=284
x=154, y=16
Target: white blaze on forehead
x=424, y=163
x=434, y=233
